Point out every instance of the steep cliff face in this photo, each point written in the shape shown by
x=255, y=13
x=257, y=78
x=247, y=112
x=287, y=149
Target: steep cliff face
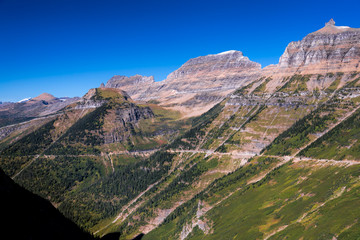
x=320, y=55
x=331, y=48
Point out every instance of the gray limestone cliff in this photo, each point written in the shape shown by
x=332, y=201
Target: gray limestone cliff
x=332, y=47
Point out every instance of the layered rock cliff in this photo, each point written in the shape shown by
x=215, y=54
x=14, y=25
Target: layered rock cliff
x=197, y=85
x=332, y=48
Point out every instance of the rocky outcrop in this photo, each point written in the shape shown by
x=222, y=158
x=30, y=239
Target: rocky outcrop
x=120, y=115
x=123, y=121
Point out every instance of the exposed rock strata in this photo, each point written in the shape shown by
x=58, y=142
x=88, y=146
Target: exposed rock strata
x=134, y=85
x=332, y=48
x=203, y=81
x=209, y=77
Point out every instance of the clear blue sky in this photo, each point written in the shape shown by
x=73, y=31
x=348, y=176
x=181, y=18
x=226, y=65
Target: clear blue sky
x=65, y=47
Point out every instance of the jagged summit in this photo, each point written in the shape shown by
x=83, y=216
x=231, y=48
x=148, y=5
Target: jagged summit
x=331, y=28
x=330, y=23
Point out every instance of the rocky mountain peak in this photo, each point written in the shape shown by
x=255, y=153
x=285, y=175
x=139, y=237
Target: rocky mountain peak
x=331, y=47
x=330, y=23
x=232, y=59
x=331, y=28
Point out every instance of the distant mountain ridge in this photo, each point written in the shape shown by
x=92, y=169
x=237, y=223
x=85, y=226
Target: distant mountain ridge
x=40, y=106
x=202, y=82
x=197, y=85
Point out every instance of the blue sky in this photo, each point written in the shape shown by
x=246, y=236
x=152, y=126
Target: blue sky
x=65, y=47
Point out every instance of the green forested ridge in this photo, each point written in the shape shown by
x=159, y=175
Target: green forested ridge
x=71, y=171
x=340, y=143
x=305, y=129
x=58, y=176
x=16, y=155
x=86, y=131
x=297, y=135
x=105, y=197
x=199, y=124
x=290, y=196
x=82, y=189
x=31, y=144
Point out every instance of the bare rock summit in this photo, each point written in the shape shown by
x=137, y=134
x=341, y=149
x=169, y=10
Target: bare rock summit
x=332, y=48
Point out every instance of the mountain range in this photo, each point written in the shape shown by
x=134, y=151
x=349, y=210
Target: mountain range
x=220, y=149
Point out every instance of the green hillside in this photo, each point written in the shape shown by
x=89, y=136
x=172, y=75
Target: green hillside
x=260, y=164
x=294, y=201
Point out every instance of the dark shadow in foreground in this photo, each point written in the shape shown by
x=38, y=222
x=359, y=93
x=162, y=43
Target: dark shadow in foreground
x=111, y=236
x=116, y=236
x=139, y=237
x=27, y=216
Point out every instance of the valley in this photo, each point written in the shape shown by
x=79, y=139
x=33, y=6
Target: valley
x=221, y=149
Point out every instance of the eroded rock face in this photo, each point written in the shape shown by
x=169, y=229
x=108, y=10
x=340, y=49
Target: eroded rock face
x=209, y=77
x=123, y=121
x=328, y=49
x=134, y=85
x=229, y=60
